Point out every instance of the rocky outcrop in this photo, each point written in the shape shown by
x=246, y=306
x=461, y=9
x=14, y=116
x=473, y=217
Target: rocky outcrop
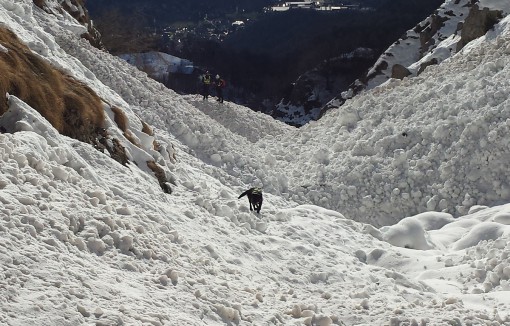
x=442, y=35
x=477, y=23
x=428, y=30
x=399, y=72
x=425, y=64
x=75, y=8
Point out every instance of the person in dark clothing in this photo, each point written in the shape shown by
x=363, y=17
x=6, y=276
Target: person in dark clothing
x=220, y=84
x=206, y=82
x=254, y=197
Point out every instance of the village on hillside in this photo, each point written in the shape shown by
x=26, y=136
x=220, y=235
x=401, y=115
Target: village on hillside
x=322, y=5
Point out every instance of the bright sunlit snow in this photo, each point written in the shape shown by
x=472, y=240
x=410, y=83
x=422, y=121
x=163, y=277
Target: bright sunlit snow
x=390, y=210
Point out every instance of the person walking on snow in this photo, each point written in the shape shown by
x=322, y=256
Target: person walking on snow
x=206, y=81
x=220, y=84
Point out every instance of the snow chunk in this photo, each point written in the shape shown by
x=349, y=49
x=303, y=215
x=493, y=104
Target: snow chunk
x=408, y=233
x=433, y=220
x=228, y=314
x=21, y=117
x=482, y=231
x=502, y=217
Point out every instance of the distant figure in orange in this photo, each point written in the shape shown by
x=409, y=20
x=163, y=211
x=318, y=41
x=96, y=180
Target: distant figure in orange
x=220, y=84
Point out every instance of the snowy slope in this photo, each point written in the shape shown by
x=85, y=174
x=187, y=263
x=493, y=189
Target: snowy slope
x=437, y=38
x=88, y=241
x=441, y=146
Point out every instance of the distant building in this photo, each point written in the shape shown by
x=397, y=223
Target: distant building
x=280, y=8
x=310, y=5
x=294, y=5
x=331, y=8
x=237, y=24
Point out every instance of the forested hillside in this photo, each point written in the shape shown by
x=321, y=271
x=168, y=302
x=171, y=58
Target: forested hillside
x=263, y=59
x=170, y=11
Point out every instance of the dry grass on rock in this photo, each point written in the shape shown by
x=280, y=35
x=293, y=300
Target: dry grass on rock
x=147, y=129
x=122, y=122
x=70, y=106
x=160, y=175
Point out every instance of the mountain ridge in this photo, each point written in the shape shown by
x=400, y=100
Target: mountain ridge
x=429, y=43
x=433, y=40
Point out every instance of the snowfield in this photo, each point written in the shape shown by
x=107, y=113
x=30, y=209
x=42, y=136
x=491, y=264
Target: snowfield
x=391, y=210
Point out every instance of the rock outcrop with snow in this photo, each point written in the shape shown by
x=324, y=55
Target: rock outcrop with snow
x=77, y=10
x=437, y=38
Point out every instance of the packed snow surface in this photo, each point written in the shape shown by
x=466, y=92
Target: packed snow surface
x=391, y=210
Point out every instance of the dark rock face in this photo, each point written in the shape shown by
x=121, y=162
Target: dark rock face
x=303, y=100
x=399, y=72
x=430, y=29
x=424, y=65
x=477, y=23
